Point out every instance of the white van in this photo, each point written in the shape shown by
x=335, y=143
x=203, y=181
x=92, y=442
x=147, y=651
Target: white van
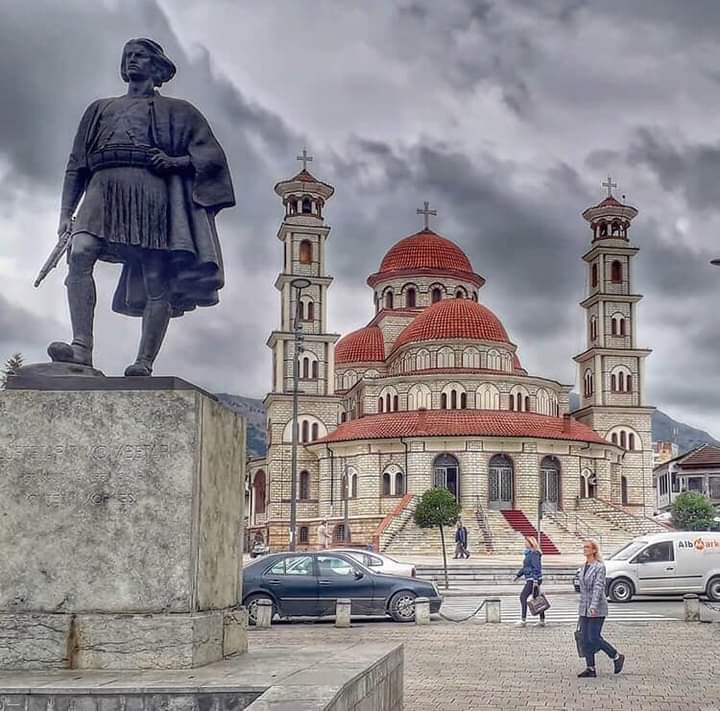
x=671, y=563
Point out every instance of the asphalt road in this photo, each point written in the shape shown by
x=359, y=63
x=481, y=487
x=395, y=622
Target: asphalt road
x=564, y=609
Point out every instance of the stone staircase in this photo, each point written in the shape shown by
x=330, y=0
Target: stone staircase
x=520, y=522
x=395, y=522
x=619, y=518
x=583, y=525
x=505, y=539
x=566, y=542
x=408, y=538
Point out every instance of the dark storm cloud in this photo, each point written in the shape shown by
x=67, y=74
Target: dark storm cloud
x=20, y=329
x=692, y=169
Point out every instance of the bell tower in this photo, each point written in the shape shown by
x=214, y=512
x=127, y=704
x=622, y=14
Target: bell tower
x=303, y=284
x=612, y=366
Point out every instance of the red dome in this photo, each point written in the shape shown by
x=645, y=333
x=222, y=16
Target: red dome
x=425, y=252
x=361, y=346
x=451, y=319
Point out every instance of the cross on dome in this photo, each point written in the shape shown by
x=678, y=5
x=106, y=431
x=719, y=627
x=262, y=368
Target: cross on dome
x=305, y=158
x=426, y=211
x=609, y=185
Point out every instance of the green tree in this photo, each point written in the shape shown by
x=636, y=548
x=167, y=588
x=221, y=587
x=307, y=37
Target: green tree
x=12, y=365
x=693, y=511
x=438, y=508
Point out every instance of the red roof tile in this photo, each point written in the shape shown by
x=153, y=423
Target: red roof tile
x=448, y=423
x=454, y=318
x=428, y=252
x=361, y=346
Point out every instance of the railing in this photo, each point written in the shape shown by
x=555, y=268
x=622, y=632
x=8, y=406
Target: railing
x=484, y=527
x=388, y=520
x=574, y=524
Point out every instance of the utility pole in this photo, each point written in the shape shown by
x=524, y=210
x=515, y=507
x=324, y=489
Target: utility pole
x=298, y=285
x=346, y=517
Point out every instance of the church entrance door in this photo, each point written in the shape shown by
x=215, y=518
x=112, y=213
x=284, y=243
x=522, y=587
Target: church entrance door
x=500, y=483
x=447, y=474
x=550, y=484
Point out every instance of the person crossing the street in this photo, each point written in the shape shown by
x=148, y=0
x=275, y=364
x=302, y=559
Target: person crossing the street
x=593, y=611
x=531, y=571
x=461, y=541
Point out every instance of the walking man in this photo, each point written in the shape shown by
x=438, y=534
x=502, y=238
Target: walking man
x=461, y=541
x=324, y=535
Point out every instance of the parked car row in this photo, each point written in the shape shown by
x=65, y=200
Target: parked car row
x=308, y=584
x=673, y=563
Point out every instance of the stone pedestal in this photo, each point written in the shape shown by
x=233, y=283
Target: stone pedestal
x=121, y=513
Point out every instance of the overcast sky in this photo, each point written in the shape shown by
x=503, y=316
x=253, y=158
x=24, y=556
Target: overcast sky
x=506, y=115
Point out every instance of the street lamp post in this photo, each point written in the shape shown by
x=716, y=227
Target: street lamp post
x=298, y=285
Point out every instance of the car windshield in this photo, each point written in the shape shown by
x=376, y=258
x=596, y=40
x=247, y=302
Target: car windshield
x=628, y=551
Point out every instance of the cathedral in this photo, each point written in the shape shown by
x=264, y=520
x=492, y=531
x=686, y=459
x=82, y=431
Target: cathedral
x=432, y=393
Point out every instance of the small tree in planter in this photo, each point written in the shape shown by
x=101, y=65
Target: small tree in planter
x=438, y=508
x=693, y=511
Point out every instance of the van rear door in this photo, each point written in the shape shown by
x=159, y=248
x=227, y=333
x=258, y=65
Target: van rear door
x=656, y=568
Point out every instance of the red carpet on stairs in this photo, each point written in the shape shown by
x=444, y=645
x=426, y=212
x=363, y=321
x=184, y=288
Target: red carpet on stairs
x=519, y=521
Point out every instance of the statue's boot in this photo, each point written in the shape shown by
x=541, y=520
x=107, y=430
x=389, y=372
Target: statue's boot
x=81, y=300
x=155, y=320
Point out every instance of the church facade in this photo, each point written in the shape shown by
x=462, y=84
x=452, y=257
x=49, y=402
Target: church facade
x=432, y=391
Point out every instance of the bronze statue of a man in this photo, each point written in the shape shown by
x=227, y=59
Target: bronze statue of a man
x=153, y=178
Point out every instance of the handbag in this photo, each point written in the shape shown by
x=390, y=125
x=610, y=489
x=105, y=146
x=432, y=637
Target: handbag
x=579, y=641
x=538, y=604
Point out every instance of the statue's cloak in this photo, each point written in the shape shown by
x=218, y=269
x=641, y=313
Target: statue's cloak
x=194, y=259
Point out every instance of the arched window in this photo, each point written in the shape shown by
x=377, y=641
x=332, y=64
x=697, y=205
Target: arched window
x=589, y=383
x=388, y=402
x=386, y=484
x=306, y=252
x=487, y=397
x=603, y=229
x=315, y=431
x=621, y=380
x=381, y=405
x=446, y=473
x=463, y=401
x=315, y=370
x=307, y=206
x=543, y=402
x=616, y=272
x=293, y=205
x=259, y=485
x=446, y=358
x=493, y=360
x=471, y=358
x=593, y=328
x=399, y=484
x=353, y=485
x=304, y=535
x=452, y=397
x=443, y=401
x=423, y=360
x=550, y=483
x=519, y=399
x=419, y=396
x=460, y=293
x=623, y=439
x=594, y=275
x=631, y=440
x=304, y=487
x=305, y=437
x=396, y=403
x=436, y=295
x=388, y=299
x=410, y=297
x=309, y=311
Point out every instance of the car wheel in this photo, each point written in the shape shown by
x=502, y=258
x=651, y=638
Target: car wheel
x=251, y=604
x=621, y=590
x=713, y=589
x=402, y=606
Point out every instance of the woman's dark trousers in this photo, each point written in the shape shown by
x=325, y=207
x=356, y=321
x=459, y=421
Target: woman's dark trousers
x=591, y=628
x=529, y=589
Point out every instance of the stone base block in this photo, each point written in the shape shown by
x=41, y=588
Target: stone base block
x=101, y=641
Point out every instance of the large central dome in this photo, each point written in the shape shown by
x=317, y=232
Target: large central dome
x=425, y=252
x=454, y=319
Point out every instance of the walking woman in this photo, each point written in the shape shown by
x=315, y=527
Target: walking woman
x=593, y=611
x=531, y=571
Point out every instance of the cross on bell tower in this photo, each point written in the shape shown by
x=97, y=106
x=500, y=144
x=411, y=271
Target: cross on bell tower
x=426, y=212
x=609, y=185
x=305, y=158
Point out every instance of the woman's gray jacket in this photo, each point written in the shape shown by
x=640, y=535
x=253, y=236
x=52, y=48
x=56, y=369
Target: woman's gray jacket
x=592, y=590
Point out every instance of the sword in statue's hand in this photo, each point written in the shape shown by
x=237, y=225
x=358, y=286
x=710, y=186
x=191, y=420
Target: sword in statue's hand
x=62, y=246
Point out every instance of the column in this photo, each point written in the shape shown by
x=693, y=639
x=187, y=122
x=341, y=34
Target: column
x=599, y=380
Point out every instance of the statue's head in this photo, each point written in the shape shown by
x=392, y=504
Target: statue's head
x=143, y=59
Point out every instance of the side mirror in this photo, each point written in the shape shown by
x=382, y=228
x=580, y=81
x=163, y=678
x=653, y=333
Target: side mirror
x=359, y=575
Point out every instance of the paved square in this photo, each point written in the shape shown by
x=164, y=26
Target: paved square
x=449, y=667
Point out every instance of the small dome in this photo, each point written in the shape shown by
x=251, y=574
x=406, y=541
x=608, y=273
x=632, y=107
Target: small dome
x=425, y=252
x=365, y=345
x=454, y=319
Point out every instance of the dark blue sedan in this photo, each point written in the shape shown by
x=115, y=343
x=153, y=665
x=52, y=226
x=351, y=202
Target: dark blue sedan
x=309, y=585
